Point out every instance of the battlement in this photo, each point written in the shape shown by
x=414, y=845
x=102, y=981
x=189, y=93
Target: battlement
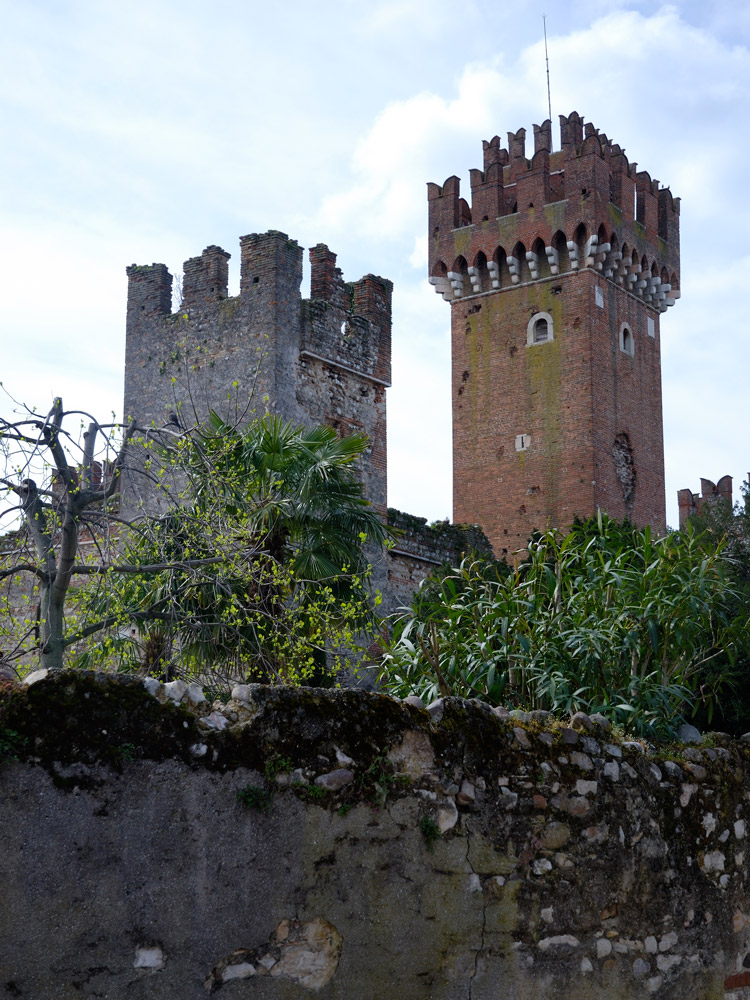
x=267, y=261
x=349, y=322
x=582, y=206
x=322, y=360
x=690, y=503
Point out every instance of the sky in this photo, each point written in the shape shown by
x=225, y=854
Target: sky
x=141, y=132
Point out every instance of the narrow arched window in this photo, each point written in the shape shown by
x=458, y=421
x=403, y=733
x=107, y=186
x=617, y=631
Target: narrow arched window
x=539, y=330
x=627, y=344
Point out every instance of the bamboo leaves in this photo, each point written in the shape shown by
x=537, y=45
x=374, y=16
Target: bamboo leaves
x=604, y=618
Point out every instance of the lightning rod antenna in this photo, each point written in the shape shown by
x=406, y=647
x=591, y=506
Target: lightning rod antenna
x=546, y=58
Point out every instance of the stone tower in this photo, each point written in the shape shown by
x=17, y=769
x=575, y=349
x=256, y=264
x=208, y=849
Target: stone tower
x=322, y=360
x=556, y=274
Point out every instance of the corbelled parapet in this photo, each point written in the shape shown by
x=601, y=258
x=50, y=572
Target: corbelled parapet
x=582, y=206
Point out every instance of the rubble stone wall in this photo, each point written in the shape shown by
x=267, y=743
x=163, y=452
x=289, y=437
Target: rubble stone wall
x=345, y=844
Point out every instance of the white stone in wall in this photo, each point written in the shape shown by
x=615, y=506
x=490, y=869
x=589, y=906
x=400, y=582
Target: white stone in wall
x=713, y=861
x=35, y=677
x=149, y=958
x=558, y=941
x=153, y=686
x=447, y=815
x=175, y=691
x=243, y=970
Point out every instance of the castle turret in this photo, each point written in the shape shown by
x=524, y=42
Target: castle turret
x=557, y=274
x=326, y=360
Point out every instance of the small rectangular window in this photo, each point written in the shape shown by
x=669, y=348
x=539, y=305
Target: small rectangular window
x=651, y=327
x=599, y=297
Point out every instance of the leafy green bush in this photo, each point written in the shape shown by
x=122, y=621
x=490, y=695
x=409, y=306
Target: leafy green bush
x=606, y=618
x=258, y=570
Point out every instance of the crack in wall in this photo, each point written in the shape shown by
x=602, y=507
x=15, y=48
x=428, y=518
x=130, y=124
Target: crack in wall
x=482, y=938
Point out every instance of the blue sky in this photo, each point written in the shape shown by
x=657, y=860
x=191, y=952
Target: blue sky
x=145, y=131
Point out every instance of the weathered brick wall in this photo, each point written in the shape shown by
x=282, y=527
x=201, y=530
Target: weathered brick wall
x=582, y=238
x=349, y=843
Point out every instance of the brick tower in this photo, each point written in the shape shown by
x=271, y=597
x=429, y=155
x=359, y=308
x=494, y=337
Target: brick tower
x=556, y=275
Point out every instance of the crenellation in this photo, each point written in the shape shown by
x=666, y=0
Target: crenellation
x=486, y=193
x=543, y=137
x=444, y=210
x=205, y=278
x=571, y=133
x=595, y=187
x=668, y=217
x=647, y=205
x=494, y=157
x=327, y=360
x=689, y=504
x=324, y=275
x=267, y=259
x=149, y=291
x=517, y=153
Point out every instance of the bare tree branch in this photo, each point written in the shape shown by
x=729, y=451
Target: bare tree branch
x=186, y=564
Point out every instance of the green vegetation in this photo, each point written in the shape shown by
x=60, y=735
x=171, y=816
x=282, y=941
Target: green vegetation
x=277, y=520
x=255, y=797
x=430, y=831
x=277, y=765
x=313, y=793
x=721, y=525
x=127, y=751
x=256, y=569
x=12, y=744
x=606, y=618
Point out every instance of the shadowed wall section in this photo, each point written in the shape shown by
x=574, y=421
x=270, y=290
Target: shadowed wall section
x=346, y=844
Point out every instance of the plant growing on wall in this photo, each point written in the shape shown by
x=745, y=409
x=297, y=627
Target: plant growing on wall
x=604, y=618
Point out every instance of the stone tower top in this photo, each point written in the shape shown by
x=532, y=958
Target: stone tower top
x=326, y=359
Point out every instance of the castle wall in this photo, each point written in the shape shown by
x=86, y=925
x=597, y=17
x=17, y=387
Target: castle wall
x=419, y=548
x=346, y=844
x=690, y=504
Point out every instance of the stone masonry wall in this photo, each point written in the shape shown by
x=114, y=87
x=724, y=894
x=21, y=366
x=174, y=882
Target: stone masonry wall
x=322, y=360
x=420, y=548
x=345, y=844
